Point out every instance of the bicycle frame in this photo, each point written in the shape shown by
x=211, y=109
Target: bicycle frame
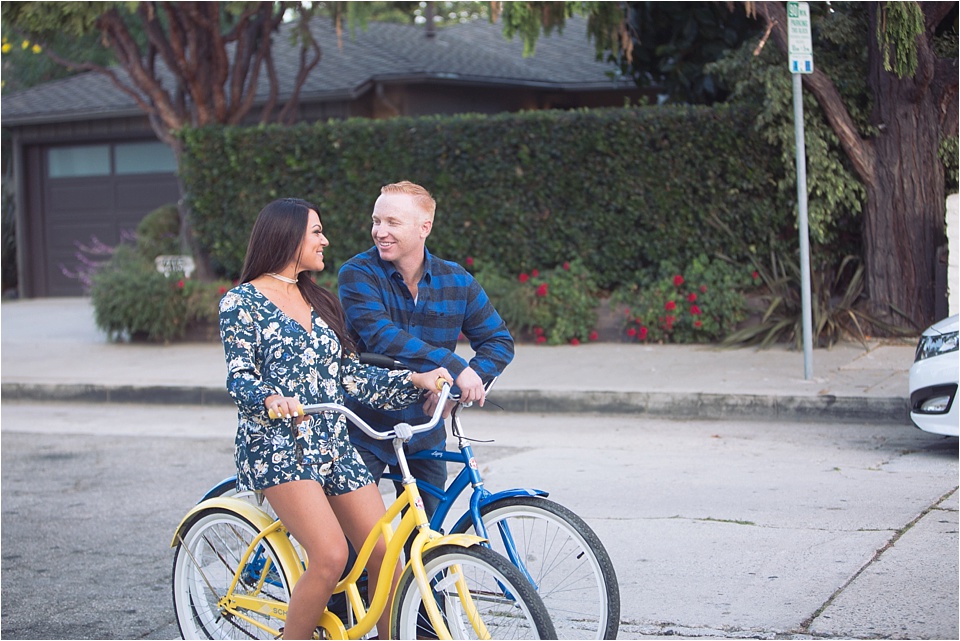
x=413, y=519
x=479, y=497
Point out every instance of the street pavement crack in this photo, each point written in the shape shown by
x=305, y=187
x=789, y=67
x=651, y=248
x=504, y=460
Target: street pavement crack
x=806, y=623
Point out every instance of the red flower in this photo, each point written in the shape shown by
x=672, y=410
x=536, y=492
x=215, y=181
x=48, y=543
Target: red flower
x=538, y=331
x=542, y=290
x=594, y=335
x=642, y=334
x=566, y=267
x=678, y=280
x=222, y=291
x=697, y=324
x=632, y=332
x=703, y=289
x=180, y=283
x=692, y=297
x=695, y=310
x=524, y=277
x=469, y=261
x=756, y=275
x=541, y=339
x=670, y=306
x=574, y=341
x=535, y=273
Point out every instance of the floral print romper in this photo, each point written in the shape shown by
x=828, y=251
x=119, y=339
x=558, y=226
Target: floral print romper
x=268, y=353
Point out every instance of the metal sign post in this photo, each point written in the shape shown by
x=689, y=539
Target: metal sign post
x=800, y=46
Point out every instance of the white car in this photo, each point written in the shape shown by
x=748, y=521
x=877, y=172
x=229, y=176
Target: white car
x=933, y=379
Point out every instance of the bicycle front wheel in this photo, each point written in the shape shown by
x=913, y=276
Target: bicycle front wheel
x=480, y=595
x=563, y=558
x=206, y=562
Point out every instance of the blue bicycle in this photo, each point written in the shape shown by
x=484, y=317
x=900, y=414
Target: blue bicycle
x=556, y=550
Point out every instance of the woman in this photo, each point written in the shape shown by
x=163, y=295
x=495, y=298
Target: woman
x=286, y=343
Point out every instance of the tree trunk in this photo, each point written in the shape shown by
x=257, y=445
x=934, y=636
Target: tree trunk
x=904, y=216
x=188, y=239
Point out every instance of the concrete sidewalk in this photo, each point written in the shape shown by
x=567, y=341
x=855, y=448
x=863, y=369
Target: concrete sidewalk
x=52, y=350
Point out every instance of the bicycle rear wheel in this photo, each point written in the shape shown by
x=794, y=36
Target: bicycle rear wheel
x=204, y=567
x=506, y=603
x=563, y=558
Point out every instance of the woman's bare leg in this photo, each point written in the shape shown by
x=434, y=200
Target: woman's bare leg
x=358, y=513
x=305, y=511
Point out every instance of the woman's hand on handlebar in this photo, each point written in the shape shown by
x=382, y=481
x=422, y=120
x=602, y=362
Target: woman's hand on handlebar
x=433, y=380
x=284, y=407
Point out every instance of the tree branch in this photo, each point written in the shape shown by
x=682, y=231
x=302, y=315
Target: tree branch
x=306, y=66
x=858, y=150
x=113, y=28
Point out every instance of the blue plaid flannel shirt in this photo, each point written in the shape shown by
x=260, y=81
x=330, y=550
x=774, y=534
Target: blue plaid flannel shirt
x=423, y=335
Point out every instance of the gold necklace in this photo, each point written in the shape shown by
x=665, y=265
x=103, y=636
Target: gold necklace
x=282, y=278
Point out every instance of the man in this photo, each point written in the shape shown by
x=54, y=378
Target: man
x=405, y=303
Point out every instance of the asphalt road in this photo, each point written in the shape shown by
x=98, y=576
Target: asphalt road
x=718, y=529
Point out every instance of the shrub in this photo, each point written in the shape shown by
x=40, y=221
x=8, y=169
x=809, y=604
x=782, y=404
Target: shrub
x=834, y=296
x=159, y=232
x=556, y=306
x=699, y=303
x=133, y=301
x=628, y=187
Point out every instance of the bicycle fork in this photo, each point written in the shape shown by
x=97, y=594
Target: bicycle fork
x=422, y=541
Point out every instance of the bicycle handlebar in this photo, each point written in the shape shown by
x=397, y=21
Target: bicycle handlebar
x=318, y=408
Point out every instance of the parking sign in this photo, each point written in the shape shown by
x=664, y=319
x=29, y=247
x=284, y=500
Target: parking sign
x=799, y=39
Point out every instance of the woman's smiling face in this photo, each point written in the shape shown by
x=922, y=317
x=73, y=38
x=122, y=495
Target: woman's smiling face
x=312, y=245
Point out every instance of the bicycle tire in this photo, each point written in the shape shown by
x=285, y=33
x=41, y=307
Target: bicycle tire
x=508, y=605
x=567, y=562
x=209, y=552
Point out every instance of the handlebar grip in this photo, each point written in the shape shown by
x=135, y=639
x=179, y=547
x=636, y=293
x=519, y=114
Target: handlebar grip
x=370, y=358
x=273, y=414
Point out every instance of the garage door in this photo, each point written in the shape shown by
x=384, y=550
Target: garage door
x=95, y=195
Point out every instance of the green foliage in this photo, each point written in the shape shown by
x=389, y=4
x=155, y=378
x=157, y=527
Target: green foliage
x=835, y=293
x=673, y=42
x=699, y=303
x=897, y=31
x=133, y=301
x=563, y=303
x=555, y=307
x=159, y=232
x=627, y=188
x=835, y=194
x=25, y=62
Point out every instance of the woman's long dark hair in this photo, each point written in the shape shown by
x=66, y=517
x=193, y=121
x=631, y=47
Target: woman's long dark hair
x=275, y=242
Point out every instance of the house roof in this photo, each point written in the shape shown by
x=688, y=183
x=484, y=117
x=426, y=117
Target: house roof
x=474, y=53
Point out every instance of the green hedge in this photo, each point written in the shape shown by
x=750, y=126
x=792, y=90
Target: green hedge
x=621, y=189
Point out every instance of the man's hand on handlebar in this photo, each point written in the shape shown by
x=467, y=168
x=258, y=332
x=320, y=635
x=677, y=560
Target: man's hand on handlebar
x=471, y=387
x=430, y=404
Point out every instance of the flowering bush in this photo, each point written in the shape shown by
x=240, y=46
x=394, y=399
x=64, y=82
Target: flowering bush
x=556, y=306
x=698, y=304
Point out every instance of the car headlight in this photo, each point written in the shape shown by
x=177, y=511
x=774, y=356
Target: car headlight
x=936, y=345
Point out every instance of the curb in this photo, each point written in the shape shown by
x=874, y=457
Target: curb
x=825, y=408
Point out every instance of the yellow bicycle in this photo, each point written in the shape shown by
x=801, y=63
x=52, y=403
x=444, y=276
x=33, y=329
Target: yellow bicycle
x=235, y=567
